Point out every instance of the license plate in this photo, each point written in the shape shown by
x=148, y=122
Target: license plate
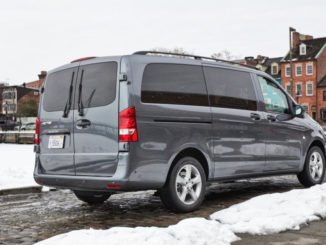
x=56, y=141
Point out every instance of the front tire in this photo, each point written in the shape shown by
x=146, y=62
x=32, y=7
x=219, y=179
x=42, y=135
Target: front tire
x=184, y=190
x=92, y=197
x=314, y=169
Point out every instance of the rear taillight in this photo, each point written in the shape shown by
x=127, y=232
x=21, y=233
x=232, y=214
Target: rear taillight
x=37, y=132
x=127, y=125
x=39, y=181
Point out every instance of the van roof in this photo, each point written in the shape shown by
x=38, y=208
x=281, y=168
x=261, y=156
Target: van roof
x=195, y=57
x=156, y=56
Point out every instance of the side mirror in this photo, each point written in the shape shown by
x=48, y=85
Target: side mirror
x=298, y=110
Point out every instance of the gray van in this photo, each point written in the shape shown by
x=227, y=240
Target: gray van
x=169, y=123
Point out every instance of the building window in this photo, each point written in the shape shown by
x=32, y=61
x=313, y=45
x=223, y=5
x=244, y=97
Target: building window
x=305, y=107
x=298, y=70
x=288, y=88
x=324, y=95
x=35, y=93
x=313, y=112
x=303, y=49
x=287, y=71
x=309, y=69
x=274, y=69
x=309, y=89
x=314, y=116
x=323, y=114
x=298, y=90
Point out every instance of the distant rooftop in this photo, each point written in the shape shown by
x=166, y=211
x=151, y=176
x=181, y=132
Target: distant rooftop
x=314, y=46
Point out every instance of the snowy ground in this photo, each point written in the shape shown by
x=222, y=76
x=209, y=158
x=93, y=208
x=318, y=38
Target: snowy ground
x=265, y=214
x=16, y=166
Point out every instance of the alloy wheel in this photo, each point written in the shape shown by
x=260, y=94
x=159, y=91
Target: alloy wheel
x=316, y=166
x=188, y=184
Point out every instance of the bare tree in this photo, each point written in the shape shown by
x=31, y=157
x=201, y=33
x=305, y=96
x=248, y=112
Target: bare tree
x=224, y=54
x=177, y=50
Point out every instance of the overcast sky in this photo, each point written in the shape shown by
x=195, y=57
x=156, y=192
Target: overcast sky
x=42, y=34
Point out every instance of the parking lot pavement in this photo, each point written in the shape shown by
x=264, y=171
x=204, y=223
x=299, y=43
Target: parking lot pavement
x=28, y=218
x=311, y=234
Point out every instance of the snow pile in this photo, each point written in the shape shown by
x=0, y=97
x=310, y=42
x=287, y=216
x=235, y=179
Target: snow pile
x=266, y=214
x=273, y=213
x=194, y=231
x=16, y=166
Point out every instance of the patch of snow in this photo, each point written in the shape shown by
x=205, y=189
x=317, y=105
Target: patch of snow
x=194, y=231
x=16, y=166
x=273, y=213
x=265, y=214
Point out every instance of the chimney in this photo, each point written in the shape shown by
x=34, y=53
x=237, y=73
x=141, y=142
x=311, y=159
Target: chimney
x=250, y=60
x=297, y=37
x=261, y=59
x=41, y=77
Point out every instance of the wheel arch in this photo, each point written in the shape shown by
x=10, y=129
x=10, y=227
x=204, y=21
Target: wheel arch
x=192, y=152
x=315, y=142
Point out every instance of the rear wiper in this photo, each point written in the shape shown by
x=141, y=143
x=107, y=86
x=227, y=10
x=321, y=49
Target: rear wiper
x=80, y=102
x=68, y=104
x=88, y=102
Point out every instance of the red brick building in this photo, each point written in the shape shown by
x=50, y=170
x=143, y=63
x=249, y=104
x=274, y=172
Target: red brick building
x=11, y=97
x=37, y=83
x=308, y=72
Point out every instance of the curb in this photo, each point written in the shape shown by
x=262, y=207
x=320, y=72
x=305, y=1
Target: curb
x=21, y=190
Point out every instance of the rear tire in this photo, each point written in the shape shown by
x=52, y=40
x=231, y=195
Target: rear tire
x=92, y=197
x=184, y=190
x=314, y=169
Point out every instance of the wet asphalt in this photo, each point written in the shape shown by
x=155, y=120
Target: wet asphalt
x=28, y=218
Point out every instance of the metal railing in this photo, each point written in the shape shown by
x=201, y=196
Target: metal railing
x=17, y=137
x=196, y=57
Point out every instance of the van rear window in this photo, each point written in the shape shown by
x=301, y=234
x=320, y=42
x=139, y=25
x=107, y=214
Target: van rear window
x=98, y=84
x=57, y=90
x=174, y=84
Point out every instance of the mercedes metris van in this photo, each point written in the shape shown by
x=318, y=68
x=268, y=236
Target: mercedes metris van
x=171, y=123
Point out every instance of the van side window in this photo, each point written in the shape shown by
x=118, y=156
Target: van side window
x=274, y=98
x=174, y=84
x=230, y=88
x=57, y=90
x=98, y=84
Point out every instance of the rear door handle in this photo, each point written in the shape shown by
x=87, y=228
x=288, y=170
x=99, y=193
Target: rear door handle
x=255, y=116
x=271, y=118
x=83, y=123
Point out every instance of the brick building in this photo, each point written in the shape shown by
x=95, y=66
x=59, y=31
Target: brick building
x=11, y=97
x=37, y=83
x=308, y=72
x=271, y=66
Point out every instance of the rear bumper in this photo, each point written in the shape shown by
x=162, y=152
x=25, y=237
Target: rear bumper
x=124, y=179
x=93, y=183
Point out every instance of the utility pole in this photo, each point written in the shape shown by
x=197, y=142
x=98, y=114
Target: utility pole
x=6, y=106
x=291, y=30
